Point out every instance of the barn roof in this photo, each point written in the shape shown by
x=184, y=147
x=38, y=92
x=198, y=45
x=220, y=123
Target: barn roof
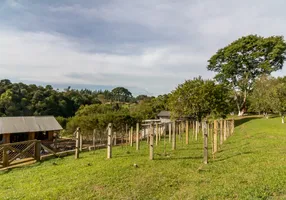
x=164, y=114
x=28, y=124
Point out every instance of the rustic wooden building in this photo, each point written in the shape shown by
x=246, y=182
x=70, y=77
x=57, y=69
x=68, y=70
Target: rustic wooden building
x=164, y=116
x=16, y=129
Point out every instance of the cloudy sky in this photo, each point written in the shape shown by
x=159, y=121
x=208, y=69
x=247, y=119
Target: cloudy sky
x=147, y=46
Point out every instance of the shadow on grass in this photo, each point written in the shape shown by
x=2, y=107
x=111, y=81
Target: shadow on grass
x=180, y=158
x=241, y=121
x=234, y=155
x=20, y=166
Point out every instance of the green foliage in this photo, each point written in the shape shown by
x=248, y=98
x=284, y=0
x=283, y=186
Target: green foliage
x=121, y=94
x=269, y=95
x=97, y=116
x=149, y=107
x=279, y=96
x=18, y=99
x=62, y=121
x=199, y=98
x=261, y=98
x=239, y=63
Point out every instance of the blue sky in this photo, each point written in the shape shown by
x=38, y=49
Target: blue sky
x=148, y=46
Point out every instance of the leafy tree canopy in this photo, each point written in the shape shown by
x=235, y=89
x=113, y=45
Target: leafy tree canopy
x=199, y=98
x=239, y=63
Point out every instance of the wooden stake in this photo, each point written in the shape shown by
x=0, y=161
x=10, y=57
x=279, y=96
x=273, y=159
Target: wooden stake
x=170, y=132
x=109, y=144
x=174, y=136
x=211, y=134
x=197, y=130
x=114, y=139
x=151, y=155
x=224, y=131
x=80, y=141
x=126, y=132
x=157, y=134
x=77, y=143
x=148, y=135
x=5, y=157
x=215, y=135
x=179, y=127
x=160, y=132
x=221, y=132
x=164, y=133
x=205, y=134
x=137, y=137
x=194, y=126
x=187, y=132
x=131, y=137
x=232, y=126
x=93, y=138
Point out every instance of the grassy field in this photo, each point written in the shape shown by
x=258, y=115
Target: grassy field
x=251, y=164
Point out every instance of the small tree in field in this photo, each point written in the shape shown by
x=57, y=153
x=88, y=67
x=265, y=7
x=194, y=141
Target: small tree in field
x=279, y=97
x=199, y=98
x=262, y=98
x=239, y=63
x=269, y=95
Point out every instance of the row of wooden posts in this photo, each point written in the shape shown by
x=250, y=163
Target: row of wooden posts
x=218, y=130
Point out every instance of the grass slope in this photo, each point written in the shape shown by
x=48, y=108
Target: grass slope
x=250, y=165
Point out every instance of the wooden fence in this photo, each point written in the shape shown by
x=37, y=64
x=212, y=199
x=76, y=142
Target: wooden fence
x=35, y=150
x=18, y=153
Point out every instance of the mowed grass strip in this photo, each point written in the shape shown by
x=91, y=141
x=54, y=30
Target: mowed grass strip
x=251, y=164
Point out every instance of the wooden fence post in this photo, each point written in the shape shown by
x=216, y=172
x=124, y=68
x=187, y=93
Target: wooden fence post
x=109, y=143
x=77, y=143
x=5, y=157
x=210, y=133
x=170, y=132
x=151, y=155
x=93, y=138
x=157, y=133
x=187, y=132
x=80, y=141
x=194, y=125
x=224, y=131
x=179, y=130
x=114, y=139
x=205, y=134
x=137, y=137
x=131, y=136
x=174, y=136
x=38, y=150
x=227, y=128
x=197, y=129
x=164, y=133
x=160, y=132
x=221, y=132
x=215, y=135
x=232, y=126
x=148, y=135
x=126, y=132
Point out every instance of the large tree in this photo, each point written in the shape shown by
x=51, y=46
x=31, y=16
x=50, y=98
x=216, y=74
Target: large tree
x=199, y=98
x=121, y=94
x=239, y=63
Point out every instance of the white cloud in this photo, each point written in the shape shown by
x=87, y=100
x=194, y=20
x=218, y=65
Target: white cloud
x=188, y=33
x=53, y=59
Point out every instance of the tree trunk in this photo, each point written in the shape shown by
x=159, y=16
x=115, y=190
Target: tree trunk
x=282, y=119
x=242, y=108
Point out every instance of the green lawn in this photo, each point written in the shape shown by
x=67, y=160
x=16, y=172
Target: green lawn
x=251, y=164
